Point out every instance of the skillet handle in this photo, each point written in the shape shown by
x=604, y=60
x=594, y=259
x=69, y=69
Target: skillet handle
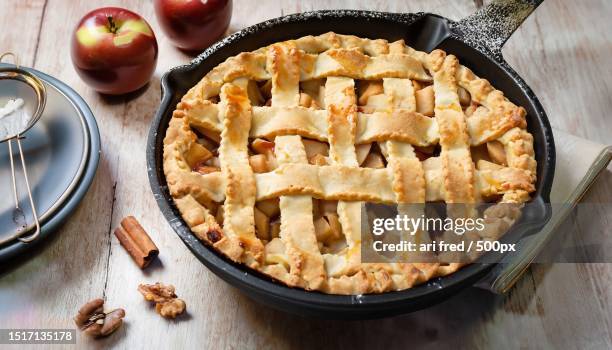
x=492, y=25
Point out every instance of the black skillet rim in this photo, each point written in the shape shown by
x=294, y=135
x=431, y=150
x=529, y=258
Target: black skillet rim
x=252, y=281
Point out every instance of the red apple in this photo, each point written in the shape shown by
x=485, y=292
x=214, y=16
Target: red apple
x=193, y=25
x=114, y=50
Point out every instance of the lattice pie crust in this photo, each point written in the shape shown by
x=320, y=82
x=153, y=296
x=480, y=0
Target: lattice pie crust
x=269, y=156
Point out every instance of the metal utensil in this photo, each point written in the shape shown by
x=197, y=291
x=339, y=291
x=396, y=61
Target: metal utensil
x=29, y=79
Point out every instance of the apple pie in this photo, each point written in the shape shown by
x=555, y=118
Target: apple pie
x=270, y=156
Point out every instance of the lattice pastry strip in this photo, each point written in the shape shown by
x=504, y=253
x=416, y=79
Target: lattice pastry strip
x=240, y=193
x=342, y=114
x=466, y=114
x=324, y=182
x=409, y=183
x=454, y=140
x=406, y=126
x=340, y=182
x=297, y=229
x=458, y=169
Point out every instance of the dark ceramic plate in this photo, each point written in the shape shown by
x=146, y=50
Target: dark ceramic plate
x=61, y=152
x=476, y=41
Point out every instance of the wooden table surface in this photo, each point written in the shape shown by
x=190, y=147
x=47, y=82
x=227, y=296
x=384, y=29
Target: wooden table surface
x=563, y=52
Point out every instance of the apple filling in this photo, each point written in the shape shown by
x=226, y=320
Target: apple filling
x=317, y=152
x=202, y=157
x=261, y=156
x=267, y=219
x=328, y=229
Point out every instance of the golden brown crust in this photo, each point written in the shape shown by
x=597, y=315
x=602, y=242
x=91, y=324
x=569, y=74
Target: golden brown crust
x=223, y=103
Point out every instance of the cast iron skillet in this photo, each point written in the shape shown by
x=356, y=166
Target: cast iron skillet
x=476, y=41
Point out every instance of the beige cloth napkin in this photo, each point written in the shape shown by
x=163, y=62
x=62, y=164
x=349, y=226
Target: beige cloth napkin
x=573, y=177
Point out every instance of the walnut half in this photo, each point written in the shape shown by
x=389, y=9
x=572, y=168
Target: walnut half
x=93, y=321
x=166, y=301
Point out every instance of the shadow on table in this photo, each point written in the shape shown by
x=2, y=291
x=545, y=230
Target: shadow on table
x=457, y=322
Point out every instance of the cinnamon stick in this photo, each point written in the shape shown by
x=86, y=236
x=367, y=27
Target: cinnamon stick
x=136, y=241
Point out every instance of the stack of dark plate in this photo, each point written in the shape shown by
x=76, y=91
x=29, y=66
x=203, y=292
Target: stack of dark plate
x=61, y=153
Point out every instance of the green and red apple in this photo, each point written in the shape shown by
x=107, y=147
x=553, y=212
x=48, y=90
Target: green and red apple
x=114, y=50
